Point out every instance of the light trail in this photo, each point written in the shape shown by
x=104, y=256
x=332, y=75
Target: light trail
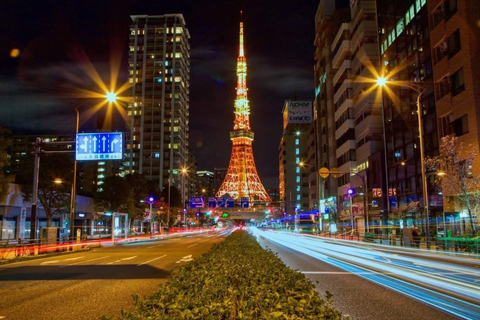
x=448, y=286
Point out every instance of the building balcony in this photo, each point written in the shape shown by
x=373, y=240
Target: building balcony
x=347, y=83
x=344, y=27
x=367, y=52
x=366, y=28
x=367, y=149
x=346, y=64
x=369, y=125
x=348, y=124
x=348, y=103
x=347, y=145
x=342, y=52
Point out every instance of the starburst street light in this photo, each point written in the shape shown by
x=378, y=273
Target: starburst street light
x=111, y=97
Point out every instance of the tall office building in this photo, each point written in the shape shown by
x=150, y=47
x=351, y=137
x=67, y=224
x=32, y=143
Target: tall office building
x=159, y=70
x=404, y=39
x=293, y=149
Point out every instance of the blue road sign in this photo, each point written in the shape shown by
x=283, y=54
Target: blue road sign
x=99, y=146
x=230, y=203
x=212, y=203
x=197, y=202
x=220, y=202
x=244, y=202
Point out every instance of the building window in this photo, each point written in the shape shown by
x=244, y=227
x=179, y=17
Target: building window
x=400, y=26
x=460, y=126
x=458, y=82
x=297, y=170
x=446, y=125
x=297, y=151
x=297, y=160
x=297, y=142
x=298, y=197
x=443, y=87
x=454, y=43
x=298, y=188
x=297, y=179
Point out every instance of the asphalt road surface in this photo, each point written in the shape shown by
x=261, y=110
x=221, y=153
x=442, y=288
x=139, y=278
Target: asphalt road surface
x=89, y=284
x=382, y=282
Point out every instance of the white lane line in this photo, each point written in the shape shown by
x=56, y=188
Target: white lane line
x=48, y=262
x=192, y=245
x=129, y=258
x=185, y=259
x=141, y=264
x=73, y=258
x=158, y=245
x=72, y=264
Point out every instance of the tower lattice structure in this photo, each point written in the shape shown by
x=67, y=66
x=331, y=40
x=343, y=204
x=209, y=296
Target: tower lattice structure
x=242, y=179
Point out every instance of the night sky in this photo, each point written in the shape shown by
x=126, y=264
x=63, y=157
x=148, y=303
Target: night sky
x=56, y=40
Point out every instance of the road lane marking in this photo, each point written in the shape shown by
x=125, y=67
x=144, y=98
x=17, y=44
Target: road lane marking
x=158, y=245
x=185, y=259
x=192, y=245
x=74, y=258
x=129, y=258
x=48, y=262
x=72, y=264
x=141, y=264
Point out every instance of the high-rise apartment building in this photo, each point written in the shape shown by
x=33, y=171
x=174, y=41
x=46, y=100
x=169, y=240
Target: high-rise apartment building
x=358, y=121
x=159, y=70
x=406, y=56
x=454, y=36
x=329, y=17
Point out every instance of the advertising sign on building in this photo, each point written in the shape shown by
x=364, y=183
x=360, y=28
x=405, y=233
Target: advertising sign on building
x=299, y=112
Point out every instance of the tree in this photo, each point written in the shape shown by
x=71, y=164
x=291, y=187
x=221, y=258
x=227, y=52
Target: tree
x=5, y=178
x=54, y=198
x=138, y=191
x=115, y=195
x=458, y=182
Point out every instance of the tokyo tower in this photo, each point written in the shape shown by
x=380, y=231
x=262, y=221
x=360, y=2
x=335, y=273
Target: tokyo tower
x=242, y=179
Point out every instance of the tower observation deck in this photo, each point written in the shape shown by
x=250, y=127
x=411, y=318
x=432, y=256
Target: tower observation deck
x=242, y=179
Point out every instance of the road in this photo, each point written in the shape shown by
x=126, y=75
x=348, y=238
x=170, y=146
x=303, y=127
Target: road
x=89, y=284
x=371, y=281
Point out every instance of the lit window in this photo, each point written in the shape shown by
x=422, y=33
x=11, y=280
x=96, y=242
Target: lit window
x=297, y=179
x=178, y=54
x=101, y=169
x=297, y=142
x=297, y=170
x=178, y=30
x=101, y=163
x=298, y=188
x=297, y=160
x=297, y=151
x=178, y=79
x=298, y=197
x=157, y=155
x=400, y=26
x=159, y=80
x=101, y=176
x=412, y=11
x=166, y=63
x=100, y=182
x=418, y=6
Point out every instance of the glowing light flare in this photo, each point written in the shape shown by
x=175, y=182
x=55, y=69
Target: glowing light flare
x=14, y=53
x=111, y=97
x=381, y=81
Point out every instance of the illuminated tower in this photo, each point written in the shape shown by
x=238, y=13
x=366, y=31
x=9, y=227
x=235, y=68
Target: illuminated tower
x=242, y=179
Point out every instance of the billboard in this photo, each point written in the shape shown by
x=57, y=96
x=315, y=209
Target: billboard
x=299, y=112
x=99, y=146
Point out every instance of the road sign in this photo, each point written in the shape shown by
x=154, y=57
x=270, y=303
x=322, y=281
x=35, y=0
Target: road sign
x=377, y=192
x=324, y=172
x=220, y=202
x=244, y=202
x=229, y=203
x=197, y=202
x=336, y=173
x=212, y=203
x=99, y=146
x=374, y=203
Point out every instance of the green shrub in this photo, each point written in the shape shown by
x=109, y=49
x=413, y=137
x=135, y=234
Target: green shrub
x=236, y=279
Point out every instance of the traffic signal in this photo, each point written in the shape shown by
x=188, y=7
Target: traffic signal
x=225, y=215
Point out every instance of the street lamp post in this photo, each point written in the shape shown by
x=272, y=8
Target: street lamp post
x=152, y=218
x=382, y=81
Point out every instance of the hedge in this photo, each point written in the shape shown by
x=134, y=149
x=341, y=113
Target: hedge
x=236, y=279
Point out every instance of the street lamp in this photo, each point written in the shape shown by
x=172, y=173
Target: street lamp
x=350, y=193
x=427, y=233
x=184, y=172
x=152, y=220
x=382, y=82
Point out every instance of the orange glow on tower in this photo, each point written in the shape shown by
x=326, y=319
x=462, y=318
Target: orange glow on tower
x=242, y=179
